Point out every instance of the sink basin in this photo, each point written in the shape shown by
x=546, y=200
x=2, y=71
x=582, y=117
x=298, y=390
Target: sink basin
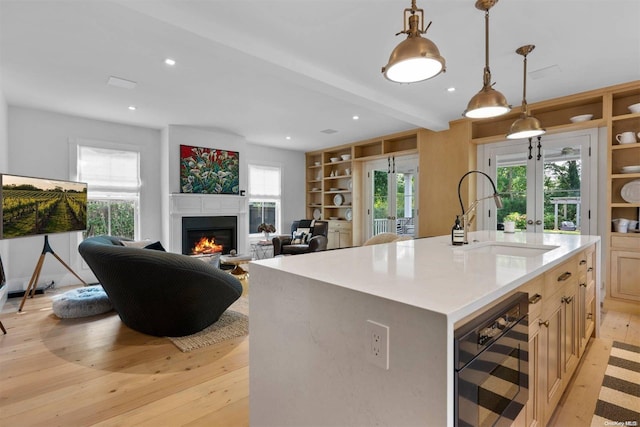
x=510, y=249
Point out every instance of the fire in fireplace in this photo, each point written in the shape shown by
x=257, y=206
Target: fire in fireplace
x=209, y=234
x=206, y=246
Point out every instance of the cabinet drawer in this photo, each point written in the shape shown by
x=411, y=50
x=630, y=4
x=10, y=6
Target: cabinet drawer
x=555, y=279
x=626, y=242
x=339, y=226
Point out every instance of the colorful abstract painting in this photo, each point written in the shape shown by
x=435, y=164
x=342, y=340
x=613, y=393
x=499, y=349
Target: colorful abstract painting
x=209, y=171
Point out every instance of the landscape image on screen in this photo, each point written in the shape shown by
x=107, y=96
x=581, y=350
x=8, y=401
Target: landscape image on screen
x=33, y=206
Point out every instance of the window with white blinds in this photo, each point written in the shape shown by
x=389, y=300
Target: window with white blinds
x=264, y=196
x=264, y=181
x=109, y=173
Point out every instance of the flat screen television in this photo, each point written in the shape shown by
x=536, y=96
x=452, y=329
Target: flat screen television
x=33, y=206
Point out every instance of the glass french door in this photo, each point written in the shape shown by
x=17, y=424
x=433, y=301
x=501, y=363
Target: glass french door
x=392, y=196
x=546, y=188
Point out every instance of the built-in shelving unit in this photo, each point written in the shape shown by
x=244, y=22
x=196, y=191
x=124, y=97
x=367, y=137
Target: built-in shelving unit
x=333, y=181
x=623, y=289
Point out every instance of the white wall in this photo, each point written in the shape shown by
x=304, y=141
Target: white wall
x=39, y=146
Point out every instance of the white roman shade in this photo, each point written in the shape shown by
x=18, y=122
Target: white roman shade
x=109, y=173
x=264, y=181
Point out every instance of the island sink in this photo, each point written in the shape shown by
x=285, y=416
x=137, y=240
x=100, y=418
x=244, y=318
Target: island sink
x=508, y=248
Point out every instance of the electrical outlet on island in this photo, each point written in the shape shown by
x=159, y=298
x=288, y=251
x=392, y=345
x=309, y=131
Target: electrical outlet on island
x=377, y=336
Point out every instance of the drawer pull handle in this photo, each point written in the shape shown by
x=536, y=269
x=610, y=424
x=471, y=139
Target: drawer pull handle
x=590, y=269
x=589, y=315
x=535, y=299
x=583, y=261
x=545, y=323
x=564, y=276
x=584, y=285
x=567, y=300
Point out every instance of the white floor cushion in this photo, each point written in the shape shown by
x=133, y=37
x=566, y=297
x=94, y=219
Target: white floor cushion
x=81, y=302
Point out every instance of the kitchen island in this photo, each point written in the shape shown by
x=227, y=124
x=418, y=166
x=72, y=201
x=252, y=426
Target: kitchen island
x=310, y=332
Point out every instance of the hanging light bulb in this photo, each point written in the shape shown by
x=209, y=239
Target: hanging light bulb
x=488, y=102
x=416, y=58
x=526, y=126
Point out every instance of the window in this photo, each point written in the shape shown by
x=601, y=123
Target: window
x=114, y=190
x=264, y=196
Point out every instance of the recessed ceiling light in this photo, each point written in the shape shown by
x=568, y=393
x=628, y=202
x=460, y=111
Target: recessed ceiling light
x=451, y=89
x=132, y=107
x=170, y=62
x=287, y=138
x=356, y=117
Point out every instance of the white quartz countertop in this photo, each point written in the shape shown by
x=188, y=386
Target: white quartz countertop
x=432, y=274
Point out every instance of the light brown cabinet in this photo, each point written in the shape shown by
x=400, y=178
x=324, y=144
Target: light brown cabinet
x=339, y=235
x=555, y=332
x=623, y=286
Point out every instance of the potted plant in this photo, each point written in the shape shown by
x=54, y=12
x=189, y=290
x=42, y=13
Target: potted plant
x=266, y=229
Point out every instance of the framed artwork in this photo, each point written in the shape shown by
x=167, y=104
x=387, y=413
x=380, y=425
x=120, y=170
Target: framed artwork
x=209, y=171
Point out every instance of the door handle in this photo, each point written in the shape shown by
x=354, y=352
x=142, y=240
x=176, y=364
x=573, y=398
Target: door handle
x=530, y=222
x=584, y=285
x=567, y=300
x=538, y=222
x=583, y=261
x=545, y=323
x=564, y=276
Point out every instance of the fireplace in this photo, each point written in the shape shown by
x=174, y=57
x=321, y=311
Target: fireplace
x=220, y=232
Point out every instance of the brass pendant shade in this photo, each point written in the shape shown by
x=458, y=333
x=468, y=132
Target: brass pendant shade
x=488, y=102
x=416, y=58
x=526, y=126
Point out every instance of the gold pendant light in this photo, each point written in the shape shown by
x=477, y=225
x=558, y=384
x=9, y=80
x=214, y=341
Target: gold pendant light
x=416, y=58
x=488, y=102
x=526, y=126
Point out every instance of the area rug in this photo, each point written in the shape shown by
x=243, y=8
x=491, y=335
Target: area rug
x=619, y=399
x=232, y=323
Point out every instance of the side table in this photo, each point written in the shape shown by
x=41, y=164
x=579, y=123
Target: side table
x=262, y=250
x=236, y=260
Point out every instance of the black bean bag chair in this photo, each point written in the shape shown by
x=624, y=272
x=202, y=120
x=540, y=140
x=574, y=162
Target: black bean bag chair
x=156, y=292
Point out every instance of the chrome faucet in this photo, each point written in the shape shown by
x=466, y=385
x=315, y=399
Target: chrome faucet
x=466, y=221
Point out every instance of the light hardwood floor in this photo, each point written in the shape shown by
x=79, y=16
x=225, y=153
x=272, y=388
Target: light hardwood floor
x=98, y=372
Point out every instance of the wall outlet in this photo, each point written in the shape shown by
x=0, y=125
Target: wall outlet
x=377, y=336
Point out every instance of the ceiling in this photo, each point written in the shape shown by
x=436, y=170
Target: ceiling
x=266, y=69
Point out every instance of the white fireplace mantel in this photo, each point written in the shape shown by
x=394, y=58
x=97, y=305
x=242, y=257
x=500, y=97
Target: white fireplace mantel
x=181, y=205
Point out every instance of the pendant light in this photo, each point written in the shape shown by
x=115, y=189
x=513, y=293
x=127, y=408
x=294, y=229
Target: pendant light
x=526, y=126
x=488, y=102
x=416, y=58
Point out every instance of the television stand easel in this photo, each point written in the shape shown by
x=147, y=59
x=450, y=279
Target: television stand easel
x=31, y=289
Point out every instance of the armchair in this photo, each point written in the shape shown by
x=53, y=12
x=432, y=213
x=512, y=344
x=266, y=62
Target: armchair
x=283, y=245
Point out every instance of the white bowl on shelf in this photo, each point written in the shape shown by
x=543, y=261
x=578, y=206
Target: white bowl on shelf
x=346, y=156
x=316, y=163
x=634, y=108
x=334, y=159
x=581, y=118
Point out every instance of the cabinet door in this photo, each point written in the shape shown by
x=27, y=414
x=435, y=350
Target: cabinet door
x=625, y=275
x=551, y=358
x=333, y=239
x=570, y=333
x=533, y=408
